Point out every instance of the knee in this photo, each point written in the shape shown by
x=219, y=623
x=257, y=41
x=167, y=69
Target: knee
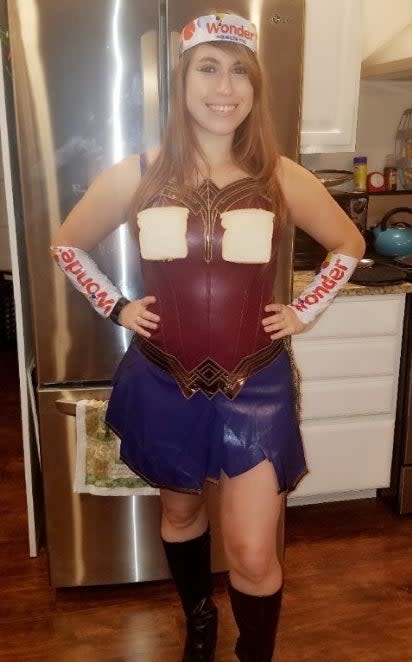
x=181, y=517
x=254, y=562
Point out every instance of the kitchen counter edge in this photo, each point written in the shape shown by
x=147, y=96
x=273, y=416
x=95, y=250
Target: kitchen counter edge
x=301, y=280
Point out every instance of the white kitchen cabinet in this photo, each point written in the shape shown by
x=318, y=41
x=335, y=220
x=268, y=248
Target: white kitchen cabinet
x=346, y=456
x=331, y=76
x=349, y=364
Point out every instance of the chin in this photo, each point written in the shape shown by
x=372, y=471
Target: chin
x=220, y=128
x=220, y=132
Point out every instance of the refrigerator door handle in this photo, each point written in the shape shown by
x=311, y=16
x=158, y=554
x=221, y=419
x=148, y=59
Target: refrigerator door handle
x=67, y=407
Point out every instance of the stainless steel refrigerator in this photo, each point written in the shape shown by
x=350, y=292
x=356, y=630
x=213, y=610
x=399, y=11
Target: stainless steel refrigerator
x=91, y=85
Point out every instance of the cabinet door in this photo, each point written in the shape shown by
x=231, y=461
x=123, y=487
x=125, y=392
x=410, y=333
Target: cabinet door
x=340, y=358
x=357, y=317
x=331, y=76
x=326, y=398
x=346, y=456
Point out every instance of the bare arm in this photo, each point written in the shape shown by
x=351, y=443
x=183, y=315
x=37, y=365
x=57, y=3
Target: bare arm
x=100, y=211
x=102, y=208
x=313, y=209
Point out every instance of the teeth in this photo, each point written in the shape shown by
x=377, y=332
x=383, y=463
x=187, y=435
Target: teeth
x=221, y=108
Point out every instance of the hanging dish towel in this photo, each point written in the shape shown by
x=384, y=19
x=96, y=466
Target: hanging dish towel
x=99, y=469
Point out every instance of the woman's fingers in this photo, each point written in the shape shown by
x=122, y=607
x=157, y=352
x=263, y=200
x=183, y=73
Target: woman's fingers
x=283, y=322
x=135, y=326
x=269, y=322
x=275, y=308
x=274, y=327
x=147, y=301
x=140, y=319
x=280, y=334
x=137, y=318
x=142, y=331
x=146, y=314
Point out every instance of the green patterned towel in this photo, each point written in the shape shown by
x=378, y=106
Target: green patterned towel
x=99, y=469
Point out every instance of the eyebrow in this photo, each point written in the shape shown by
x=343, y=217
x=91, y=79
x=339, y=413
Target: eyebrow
x=214, y=60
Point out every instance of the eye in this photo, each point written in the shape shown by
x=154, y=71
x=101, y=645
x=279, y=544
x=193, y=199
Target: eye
x=240, y=70
x=207, y=69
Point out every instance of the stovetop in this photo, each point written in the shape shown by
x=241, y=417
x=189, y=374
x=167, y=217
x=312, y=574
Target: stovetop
x=389, y=261
x=403, y=271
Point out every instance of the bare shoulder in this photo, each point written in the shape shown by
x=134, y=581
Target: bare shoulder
x=122, y=178
x=126, y=171
x=119, y=180
x=129, y=167
x=299, y=185
x=122, y=175
x=291, y=173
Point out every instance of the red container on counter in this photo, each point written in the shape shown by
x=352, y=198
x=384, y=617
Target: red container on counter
x=375, y=182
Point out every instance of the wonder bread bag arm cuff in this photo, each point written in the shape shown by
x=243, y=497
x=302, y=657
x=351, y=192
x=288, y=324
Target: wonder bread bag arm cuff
x=334, y=273
x=86, y=277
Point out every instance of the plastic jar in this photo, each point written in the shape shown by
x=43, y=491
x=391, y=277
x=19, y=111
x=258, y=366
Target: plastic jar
x=360, y=173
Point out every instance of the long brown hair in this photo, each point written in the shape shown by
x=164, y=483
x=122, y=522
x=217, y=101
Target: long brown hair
x=254, y=146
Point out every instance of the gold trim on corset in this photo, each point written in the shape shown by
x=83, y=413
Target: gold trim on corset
x=208, y=201
x=208, y=376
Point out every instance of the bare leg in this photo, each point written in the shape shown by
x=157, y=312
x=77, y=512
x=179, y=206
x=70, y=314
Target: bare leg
x=184, y=516
x=250, y=510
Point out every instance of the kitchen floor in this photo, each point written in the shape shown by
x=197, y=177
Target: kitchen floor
x=348, y=585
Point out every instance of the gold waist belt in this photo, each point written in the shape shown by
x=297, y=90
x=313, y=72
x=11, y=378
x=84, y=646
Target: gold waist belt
x=209, y=377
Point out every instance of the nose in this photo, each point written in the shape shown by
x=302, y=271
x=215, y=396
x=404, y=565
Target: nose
x=225, y=83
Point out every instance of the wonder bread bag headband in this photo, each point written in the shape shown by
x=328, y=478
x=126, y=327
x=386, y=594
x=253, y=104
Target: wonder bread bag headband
x=218, y=27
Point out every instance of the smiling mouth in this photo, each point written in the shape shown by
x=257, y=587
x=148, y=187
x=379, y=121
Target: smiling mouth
x=222, y=109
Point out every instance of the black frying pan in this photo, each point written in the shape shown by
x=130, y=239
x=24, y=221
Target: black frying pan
x=370, y=272
x=405, y=260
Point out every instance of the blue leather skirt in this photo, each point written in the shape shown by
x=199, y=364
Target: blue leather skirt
x=178, y=443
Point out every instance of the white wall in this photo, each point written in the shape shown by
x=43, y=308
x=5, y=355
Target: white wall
x=383, y=21
x=381, y=104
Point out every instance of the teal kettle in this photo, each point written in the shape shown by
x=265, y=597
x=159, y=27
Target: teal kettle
x=394, y=240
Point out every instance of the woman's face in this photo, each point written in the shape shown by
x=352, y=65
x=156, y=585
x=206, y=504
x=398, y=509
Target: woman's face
x=219, y=94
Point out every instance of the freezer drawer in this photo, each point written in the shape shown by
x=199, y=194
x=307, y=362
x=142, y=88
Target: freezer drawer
x=99, y=539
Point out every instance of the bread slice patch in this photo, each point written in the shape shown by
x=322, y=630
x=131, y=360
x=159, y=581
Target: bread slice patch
x=248, y=235
x=163, y=233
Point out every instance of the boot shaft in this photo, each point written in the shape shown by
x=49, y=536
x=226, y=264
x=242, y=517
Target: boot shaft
x=190, y=566
x=257, y=618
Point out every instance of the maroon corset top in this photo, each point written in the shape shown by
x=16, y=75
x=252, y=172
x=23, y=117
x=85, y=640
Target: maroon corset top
x=209, y=258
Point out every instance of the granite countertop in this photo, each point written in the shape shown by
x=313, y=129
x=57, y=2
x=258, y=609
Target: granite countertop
x=301, y=279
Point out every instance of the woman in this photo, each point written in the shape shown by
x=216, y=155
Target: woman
x=205, y=391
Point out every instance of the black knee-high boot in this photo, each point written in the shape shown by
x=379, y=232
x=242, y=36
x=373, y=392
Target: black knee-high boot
x=189, y=563
x=257, y=619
